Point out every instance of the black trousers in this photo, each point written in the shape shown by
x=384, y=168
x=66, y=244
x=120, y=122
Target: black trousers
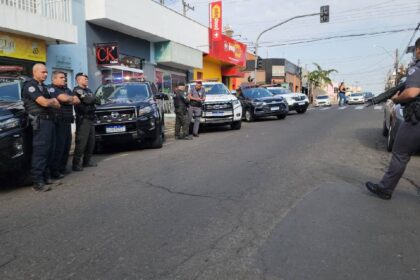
x=62, y=147
x=43, y=144
x=85, y=141
x=407, y=142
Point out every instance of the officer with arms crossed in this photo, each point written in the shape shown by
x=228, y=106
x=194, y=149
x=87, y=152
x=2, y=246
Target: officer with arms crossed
x=64, y=120
x=197, y=96
x=181, y=112
x=40, y=106
x=407, y=140
x=85, y=130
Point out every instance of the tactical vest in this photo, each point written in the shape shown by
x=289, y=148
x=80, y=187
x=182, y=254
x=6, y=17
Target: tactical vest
x=82, y=109
x=179, y=102
x=31, y=106
x=65, y=113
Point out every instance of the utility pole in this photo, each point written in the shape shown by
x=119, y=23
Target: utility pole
x=271, y=28
x=162, y=2
x=397, y=64
x=186, y=7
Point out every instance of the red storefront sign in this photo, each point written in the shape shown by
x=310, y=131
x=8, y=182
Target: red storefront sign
x=233, y=71
x=229, y=50
x=216, y=21
x=107, y=54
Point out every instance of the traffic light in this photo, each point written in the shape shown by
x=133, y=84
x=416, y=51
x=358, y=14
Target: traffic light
x=259, y=63
x=325, y=14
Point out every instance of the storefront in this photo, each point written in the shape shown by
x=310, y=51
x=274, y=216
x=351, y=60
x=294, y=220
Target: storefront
x=224, y=62
x=116, y=57
x=17, y=50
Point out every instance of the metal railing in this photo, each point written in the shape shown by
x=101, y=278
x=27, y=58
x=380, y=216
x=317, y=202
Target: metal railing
x=54, y=9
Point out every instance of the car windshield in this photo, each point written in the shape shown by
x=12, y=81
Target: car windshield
x=123, y=93
x=212, y=89
x=255, y=93
x=10, y=90
x=277, y=91
x=356, y=94
x=322, y=97
x=368, y=94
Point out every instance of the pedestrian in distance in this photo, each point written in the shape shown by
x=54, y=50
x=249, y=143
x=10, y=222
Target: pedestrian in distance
x=182, y=122
x=407, y=140
x=64, y=119
x=196, y=96
x=40, y=105
x=85, y=129
x=342, y=94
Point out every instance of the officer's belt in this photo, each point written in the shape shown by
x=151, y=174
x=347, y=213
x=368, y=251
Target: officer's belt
x=46, y=117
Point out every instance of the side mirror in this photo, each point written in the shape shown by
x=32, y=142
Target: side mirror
x=159, y=95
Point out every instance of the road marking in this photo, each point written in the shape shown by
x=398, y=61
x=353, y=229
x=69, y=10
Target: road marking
x=342, y=108
x=378, y=108
x=324, y=109
x=115, y=157
x=360, y=107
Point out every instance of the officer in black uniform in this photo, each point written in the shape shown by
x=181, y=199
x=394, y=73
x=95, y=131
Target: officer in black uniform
x=181, y=113
x=40, y=106
x=85, y=130
x=64, y=119
x=407, y=140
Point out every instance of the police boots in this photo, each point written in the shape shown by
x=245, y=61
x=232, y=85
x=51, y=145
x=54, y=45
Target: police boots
x=77, y=165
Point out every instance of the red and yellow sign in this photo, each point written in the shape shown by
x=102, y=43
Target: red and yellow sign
x=229, y=50
x=216, y=20
x=16, y=46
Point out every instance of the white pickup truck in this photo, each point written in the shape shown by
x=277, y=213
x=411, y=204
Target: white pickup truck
x=220, y=107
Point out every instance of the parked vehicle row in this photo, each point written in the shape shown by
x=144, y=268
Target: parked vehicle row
x=132, y=112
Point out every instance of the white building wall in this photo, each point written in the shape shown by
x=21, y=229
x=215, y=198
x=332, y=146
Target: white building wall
x=148, y=20
x=37, y=24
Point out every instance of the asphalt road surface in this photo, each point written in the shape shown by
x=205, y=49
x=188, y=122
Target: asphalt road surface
x=278, y=199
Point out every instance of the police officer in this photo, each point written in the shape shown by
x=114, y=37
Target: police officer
x=85, y=130
x=181, y=112
x=196, y=96
x=40, y=106
x=407, y=140
x=64, y=119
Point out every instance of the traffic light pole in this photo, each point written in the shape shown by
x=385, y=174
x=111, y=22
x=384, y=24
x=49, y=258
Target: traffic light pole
x=271, y=28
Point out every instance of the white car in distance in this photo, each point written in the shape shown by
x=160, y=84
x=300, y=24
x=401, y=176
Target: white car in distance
x=322, y=100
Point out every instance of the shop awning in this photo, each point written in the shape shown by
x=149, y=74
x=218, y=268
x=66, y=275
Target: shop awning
x=124, y=68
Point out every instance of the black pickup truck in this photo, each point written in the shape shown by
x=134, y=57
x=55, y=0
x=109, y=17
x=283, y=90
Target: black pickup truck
x=129, y=113
x=15, y=131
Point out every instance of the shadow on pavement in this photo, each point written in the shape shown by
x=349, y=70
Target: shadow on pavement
x=371, y=138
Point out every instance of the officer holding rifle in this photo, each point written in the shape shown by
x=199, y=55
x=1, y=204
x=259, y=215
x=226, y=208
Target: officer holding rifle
x=407, y=140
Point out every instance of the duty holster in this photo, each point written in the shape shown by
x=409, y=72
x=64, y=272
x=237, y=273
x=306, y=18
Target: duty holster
x=35, y=122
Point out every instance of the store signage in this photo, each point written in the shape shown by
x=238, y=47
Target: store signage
x=229, y=50
x=107, y=54
x=21, y=47
x=216, y=20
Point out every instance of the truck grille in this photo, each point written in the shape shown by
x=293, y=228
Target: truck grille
x=298, y=98
x=116, y=115
x=222, y=106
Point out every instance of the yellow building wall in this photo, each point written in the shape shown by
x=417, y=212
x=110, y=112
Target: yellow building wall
x=211, y=71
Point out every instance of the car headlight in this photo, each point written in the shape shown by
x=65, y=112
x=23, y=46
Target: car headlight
x=145, y=110
x=258, y=104
x=9, y=124
x=236, y=102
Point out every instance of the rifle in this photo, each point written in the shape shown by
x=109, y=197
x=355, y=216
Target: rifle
x=387, y=94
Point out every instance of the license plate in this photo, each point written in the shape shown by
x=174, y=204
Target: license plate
x=115, y=129
x=215, y=114
x=301, y=103
x=275, y=108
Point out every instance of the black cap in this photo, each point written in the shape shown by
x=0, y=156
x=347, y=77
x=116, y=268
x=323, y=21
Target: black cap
x=180, y=84
x=81, y=74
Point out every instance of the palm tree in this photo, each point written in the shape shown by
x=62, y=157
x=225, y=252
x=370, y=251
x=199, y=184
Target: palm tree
x=319, y=78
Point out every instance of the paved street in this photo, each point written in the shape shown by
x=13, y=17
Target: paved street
x=278, y=199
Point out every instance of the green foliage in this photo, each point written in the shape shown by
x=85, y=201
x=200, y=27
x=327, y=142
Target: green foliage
x=319, y=77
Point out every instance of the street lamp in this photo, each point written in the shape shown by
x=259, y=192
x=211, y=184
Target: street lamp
x=271, y=28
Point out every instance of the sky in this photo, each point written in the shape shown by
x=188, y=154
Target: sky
x=363, y=61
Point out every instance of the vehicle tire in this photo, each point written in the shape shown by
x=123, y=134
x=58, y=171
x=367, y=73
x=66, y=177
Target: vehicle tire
x=301, y=111
x=390, y=140
x=384, y=129
x=281, y=117
x=157, y=142
x=236, y=125
x=249, y=116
